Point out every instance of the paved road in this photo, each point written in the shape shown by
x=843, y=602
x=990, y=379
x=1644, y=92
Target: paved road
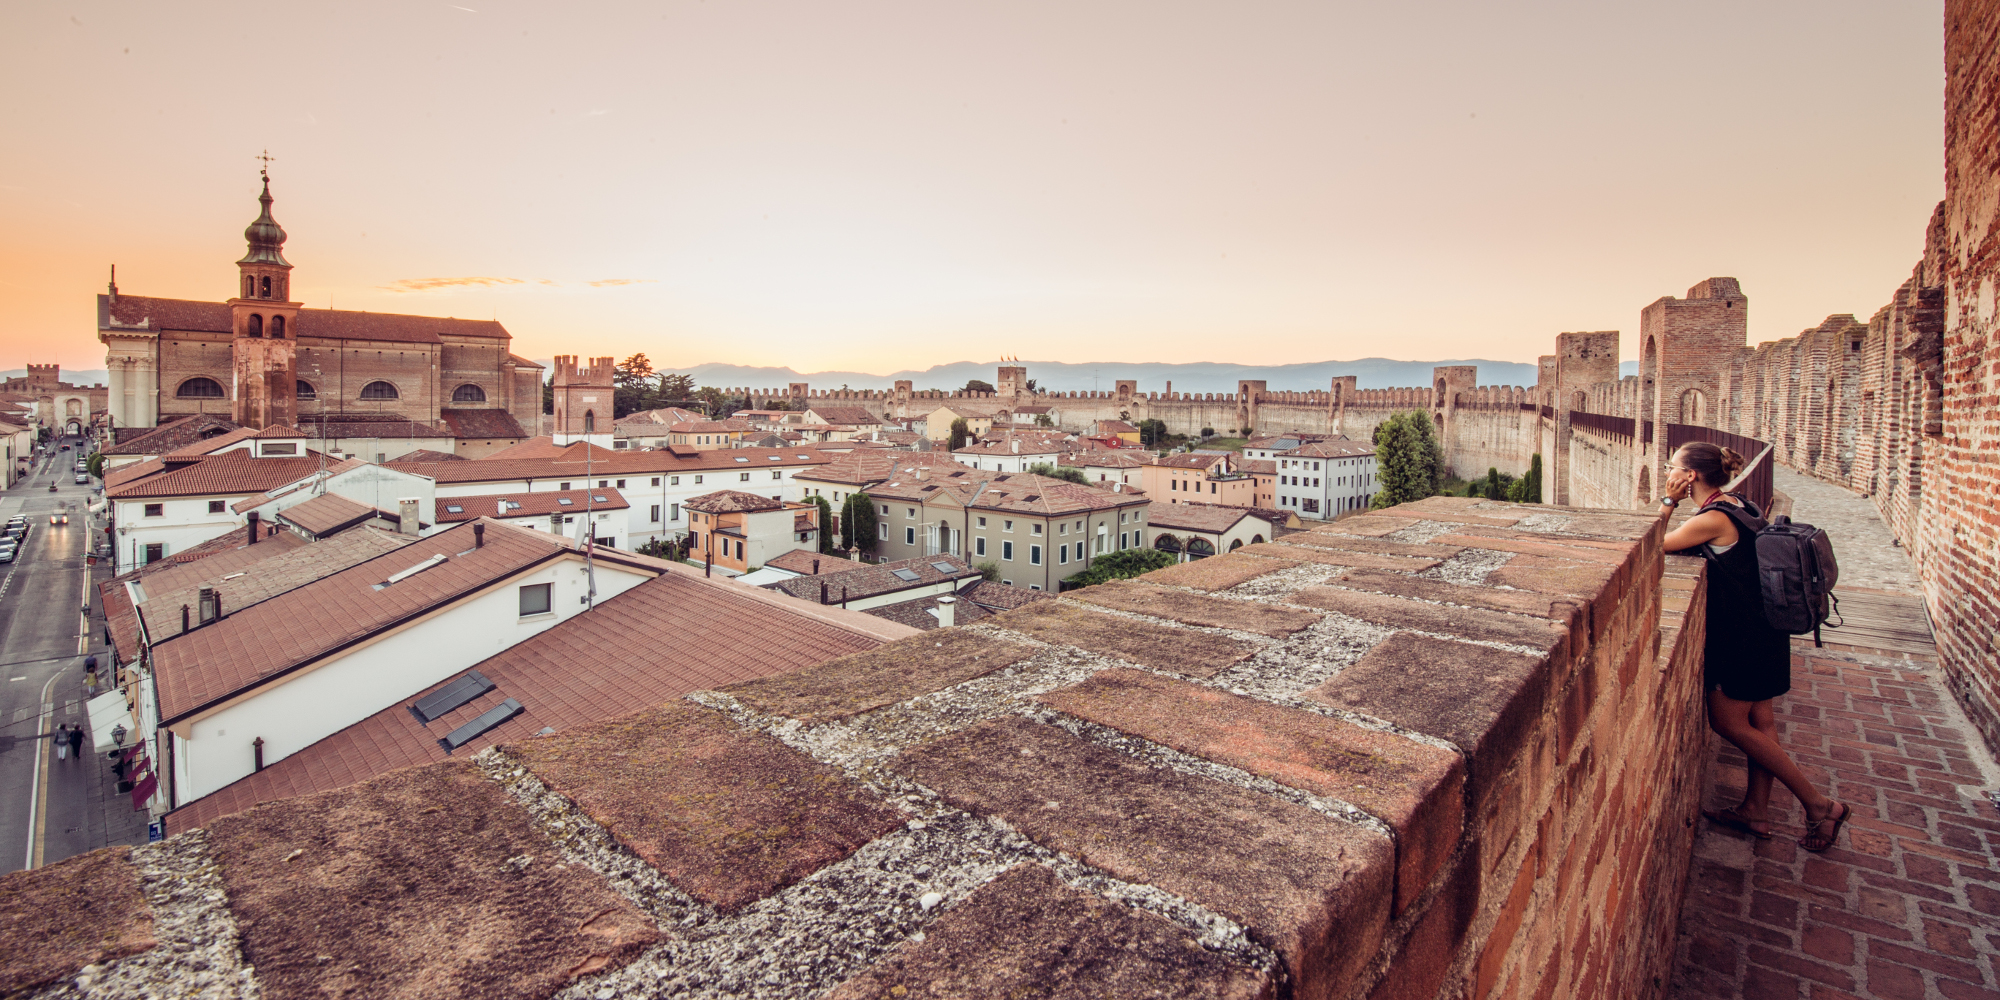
x=49, y=809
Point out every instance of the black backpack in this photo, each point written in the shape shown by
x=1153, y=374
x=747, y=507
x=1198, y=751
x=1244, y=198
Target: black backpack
x=1796, y=571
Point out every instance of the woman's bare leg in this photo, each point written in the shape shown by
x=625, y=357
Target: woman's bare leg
x=1734, y=720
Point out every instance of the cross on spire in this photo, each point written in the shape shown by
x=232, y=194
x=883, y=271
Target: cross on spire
x=266, y=156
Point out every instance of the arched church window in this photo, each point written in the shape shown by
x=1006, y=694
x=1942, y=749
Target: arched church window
x=306, y=390
x=255, y=326
x=468, y=393
x=278, y=327
x=199, y=388
x=249, y=287
x=379, y=390
x=267, y=286
x=590, y=421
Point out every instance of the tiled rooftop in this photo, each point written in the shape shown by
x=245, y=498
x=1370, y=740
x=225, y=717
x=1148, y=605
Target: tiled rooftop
x=327, y=513
x=859, y=580
x=1249, y=783
x=732, y=502
x=451, y=510
x=342, y=324
x=231, y=472
x=480, y=423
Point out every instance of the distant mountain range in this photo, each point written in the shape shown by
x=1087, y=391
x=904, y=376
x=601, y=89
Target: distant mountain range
x=1055, y=376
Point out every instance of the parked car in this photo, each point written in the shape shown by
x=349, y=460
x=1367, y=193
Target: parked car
x=83, y=479
x=17, y=531
x=8, y=549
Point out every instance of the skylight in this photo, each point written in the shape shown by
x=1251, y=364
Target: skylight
x=565, y=501
x=433, y=706
x=452, y=508
x=740, y=458
x=945, y=568
x=907, y=576
x=412, y=571
x=487, y=720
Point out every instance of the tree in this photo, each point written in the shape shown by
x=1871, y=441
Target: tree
x=1121, y=565
x=1208, y=432
x=634, y=372
x=96, y=464
x=676, y=388
x=1030, y=386
x=712, y=400
x=960, y=433
x=549, y=395
x=1152, y=433
x=1528, y=488
x=1408, y=459
x=979, y=385
x=989, y=571
x=1058, y=472
x=825, y=523
x=778, y=405
x=858, y=522
x=1042, y=420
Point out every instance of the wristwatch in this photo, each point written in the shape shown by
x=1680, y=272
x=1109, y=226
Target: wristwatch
x=1670, y=501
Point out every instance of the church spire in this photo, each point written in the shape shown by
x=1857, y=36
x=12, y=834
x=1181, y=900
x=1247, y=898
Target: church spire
x=266, y=237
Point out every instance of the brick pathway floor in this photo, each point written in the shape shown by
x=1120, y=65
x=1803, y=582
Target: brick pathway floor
x=1907, y=906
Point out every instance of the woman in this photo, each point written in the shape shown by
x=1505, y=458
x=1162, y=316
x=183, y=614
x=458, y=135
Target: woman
x=1748, y=662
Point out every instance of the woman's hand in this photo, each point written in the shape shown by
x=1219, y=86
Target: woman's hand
x=1680, y=485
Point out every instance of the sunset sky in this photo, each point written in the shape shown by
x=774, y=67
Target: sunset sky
x=888, y=185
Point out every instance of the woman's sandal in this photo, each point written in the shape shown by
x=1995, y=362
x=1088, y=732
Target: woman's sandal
x=1734, y=820
x=1814, y=842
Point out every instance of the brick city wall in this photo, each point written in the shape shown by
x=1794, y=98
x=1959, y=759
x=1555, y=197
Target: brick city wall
x=1449, y=749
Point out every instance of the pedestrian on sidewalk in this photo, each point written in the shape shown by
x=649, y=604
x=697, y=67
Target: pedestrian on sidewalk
x=62, y=742
x=76, y=742
x=1748, y=663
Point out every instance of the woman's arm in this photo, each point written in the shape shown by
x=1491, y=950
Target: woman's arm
x=1708, y=526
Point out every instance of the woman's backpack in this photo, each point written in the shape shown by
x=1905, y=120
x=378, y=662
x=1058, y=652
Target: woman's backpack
x=1796, y=572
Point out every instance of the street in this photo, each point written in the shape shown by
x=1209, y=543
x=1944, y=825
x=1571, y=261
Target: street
x=51, y=809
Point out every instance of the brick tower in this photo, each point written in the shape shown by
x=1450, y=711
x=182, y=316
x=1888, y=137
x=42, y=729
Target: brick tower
x=583, y=400
x=263, y=349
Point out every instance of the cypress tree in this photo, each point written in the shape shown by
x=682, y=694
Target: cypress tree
x=825, y=523
x=1409, y=461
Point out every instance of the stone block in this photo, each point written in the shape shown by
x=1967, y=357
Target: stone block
x=63, y=916
x=1417, y=789
x=1218, y=573
x=1484, y=700
x=862, y=682
x=1195, y=609
x=1162, y=647
x=727, y=814
x=1543, y=634
x=1491, y=598
x=1316, y=889
x=1027, y=935
x=1339, y=557
x=425, y=882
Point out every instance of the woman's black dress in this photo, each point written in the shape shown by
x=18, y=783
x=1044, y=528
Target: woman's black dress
x=1745, y=657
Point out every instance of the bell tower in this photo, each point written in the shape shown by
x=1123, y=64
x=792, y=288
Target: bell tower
x=264, y=344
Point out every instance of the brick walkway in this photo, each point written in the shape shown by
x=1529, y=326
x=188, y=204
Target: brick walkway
x=1907, y=906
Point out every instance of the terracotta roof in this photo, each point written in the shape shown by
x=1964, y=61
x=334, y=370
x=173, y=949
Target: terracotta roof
x=651, y=644
x=1015, y=447
x=427, y=455
x=245, y=575
x=863, y=467
x=369, y=425
x=328, y=513
x=481, y=423
x=1332, y=449
x=661, y=417
x=209, y=446
x=1258, y=466
x=801, y=561
x=230, y=472
x=1115, y=427
x=1107, y=458
x=145, y=312
x=544, y=446
x=918, y=614
x=169, y=437
x=280, y=431
x=521, y=362
x=850, y=415
x=220, y=556
x=528, y=504
x=135, y=470
x=875, y=579
x=1189, y=460
x=1201, y=517
x=732, y=502
x=253, y=645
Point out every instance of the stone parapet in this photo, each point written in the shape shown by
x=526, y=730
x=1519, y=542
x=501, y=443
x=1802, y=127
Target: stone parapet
x=1449, y=748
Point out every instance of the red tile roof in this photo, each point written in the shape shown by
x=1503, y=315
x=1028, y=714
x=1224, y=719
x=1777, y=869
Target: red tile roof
x=281, y=431
x=469, y=423
x=801, y=561
x=169, y=437
x=651, y=644
x=732, y=502
x=343, y=324
x=918, y=614
x=857, y=416
x=254, y=645
x=327, y=513
x=528, y=504
x=606, y=464
x=232, y=472
x=209, y=446
x=873, y=579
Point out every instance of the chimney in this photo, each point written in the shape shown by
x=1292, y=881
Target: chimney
x=822, y=591
x=406, y=516
x=478, y=534
x=209, y=604
x=184, y=617
x=253, y=528
x=257, y=745
x=947, y=611
x=501, y=507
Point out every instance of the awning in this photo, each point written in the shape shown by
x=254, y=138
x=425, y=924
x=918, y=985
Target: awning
x=108, y=711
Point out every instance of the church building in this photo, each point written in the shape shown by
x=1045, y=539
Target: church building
x=377, y=383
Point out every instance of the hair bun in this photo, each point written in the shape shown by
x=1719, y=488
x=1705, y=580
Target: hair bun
x=1732, y=463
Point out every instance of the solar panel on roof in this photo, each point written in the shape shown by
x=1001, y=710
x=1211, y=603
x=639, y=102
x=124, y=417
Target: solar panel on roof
x=487, y=720
x=946, y=568
x=444, y=699
x=908, y=576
